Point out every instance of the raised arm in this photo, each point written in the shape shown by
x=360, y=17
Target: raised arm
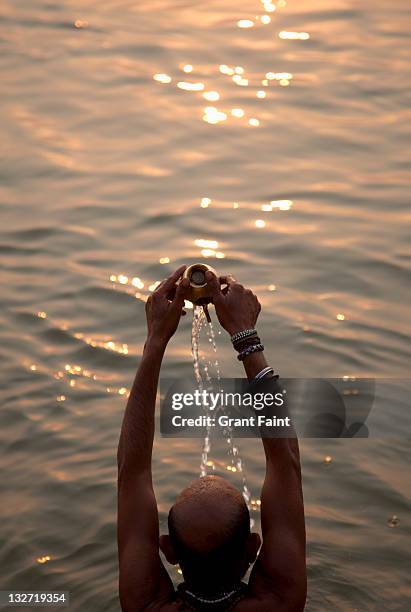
x=278, y=580
x=143, y=578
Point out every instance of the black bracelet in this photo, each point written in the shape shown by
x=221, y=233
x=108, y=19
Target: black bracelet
x=255, y=348
x=240, y=345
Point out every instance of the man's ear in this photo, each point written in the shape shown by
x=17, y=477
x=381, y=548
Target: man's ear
x=253, y=546
x=167, y=549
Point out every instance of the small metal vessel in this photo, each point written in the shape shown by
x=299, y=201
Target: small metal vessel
x=199, y=292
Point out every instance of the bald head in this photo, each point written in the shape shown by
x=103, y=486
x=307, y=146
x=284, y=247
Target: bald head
x=209, y=525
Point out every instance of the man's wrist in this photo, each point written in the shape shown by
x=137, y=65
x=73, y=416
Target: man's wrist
x=254, y=363
x=155, y=343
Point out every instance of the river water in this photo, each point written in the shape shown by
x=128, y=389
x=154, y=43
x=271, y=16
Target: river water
x=293, y=176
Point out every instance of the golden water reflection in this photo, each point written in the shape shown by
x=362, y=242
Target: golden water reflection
x=294, y=35
x=213, y=115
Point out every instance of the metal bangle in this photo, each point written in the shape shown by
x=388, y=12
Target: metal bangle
x=263, y=373
x=241, y=335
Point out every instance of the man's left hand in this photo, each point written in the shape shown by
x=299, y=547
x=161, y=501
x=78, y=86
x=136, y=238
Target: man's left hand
x=165, y=306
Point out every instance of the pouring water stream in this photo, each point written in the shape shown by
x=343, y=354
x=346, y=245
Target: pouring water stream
x=204, y=370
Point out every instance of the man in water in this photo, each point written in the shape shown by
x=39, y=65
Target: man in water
x=209, y=524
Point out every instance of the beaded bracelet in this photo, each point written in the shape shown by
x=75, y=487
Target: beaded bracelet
x=240, y=345
x=255, y=348
x=241, y=335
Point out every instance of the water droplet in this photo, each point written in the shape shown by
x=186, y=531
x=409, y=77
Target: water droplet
x=393, y=521
x=80, y=24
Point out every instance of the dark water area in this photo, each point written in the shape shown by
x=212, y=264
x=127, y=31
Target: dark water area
x=121, y=162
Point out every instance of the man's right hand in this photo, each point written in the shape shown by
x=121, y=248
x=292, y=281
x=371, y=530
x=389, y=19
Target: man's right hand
x=237, y=308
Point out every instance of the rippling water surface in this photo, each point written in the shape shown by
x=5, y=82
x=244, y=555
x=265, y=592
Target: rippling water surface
x=276, y=152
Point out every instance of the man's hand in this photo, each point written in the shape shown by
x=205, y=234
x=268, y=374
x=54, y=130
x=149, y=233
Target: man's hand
x=165, y=307
x=237, y=308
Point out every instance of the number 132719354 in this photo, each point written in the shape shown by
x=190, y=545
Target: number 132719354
x=34, y=598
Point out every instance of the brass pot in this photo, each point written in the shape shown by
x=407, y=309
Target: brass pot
x=199, y=291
